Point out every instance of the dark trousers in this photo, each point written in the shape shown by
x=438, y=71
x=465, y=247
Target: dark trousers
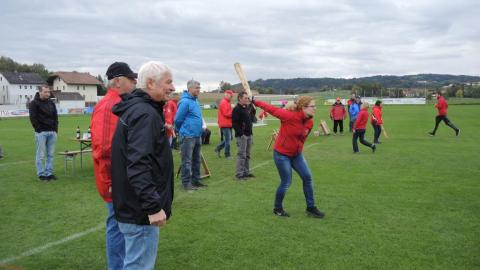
x=337, y=123
x=445, y=119
x=377, y=130
x=359, y=133
x=350, y=124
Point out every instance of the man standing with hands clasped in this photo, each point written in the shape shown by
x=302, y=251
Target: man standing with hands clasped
x=242, y=123
x=142, y=166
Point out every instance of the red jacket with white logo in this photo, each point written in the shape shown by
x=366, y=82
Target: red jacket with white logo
x=362, y=119
x=102, y=128
x=338, y=112
x=225, y=114
x=169, y=111
x=294, y=129
x=377, y=115
x=442, y=106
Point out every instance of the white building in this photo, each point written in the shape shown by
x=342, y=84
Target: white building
x=76, y=82
x=68, y=102
x=18, y=87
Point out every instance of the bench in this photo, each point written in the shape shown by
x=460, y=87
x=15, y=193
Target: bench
x=70, y=156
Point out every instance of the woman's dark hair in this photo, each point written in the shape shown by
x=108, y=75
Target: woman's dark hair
x=378, y=102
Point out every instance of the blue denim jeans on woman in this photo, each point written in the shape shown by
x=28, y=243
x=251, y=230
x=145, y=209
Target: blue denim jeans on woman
x=45, y=145
x=141, y=245
x=227, y=137
x=190, y=153
x=284, y=166
x=115, y=241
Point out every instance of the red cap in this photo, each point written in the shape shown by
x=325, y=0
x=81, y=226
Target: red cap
x=229, y=92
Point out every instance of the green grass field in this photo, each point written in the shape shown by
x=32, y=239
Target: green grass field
x=414, y=204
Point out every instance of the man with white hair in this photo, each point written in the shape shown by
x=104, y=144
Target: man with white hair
x=142, y=165
x=188, y=122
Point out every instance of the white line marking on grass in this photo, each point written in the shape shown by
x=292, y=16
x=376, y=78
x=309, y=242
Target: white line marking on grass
x=51, y=244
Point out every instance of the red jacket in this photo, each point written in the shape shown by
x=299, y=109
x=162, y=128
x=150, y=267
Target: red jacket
x=377, y=115
x=102, y=127
x=362, y=119
x=294, y=129
x=225, y=114
x=338, y=112
x=442, y=106
x=169, y=111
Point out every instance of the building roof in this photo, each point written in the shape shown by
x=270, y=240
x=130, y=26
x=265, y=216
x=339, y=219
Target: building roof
x=74, y=78
x=67, y=95
x=22, y=77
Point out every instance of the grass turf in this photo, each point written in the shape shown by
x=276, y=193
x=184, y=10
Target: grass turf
x=414, y=204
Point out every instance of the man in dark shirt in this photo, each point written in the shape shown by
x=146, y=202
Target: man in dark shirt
x=242, y=124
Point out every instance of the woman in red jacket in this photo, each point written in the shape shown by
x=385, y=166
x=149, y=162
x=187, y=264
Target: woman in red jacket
x=442, y=107
x=296, y=124
x=337, y=114
x=377, y=121
x=359, y=129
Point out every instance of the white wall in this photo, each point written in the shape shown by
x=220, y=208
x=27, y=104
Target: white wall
x=16, y=93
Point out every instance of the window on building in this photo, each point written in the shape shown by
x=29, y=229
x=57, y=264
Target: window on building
x=63, y=87
x=20, y=86
x=26, y=87
x=26, y=96
x=84, y=87
x=78, y=87
x=30, y=87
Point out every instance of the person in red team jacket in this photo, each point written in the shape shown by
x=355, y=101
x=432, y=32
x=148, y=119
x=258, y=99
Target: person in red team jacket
x=296, y=124
x=359, y=128
x=442, y=107
x=169, y=111
x=377, y=121
x=121, y=80
x=337, y=114
x=225, y=124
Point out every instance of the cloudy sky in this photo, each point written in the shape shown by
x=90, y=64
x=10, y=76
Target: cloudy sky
x=272, y=39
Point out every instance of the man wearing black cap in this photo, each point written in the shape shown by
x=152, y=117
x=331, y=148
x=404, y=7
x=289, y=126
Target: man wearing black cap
x=121, y=80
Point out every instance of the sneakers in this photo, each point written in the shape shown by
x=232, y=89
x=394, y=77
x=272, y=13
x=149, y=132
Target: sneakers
x=280, y=212
x=457, y=131
x=43, y=178
x=51, y=177
x=199, y=185
x=190, y=188
x=218, y=153
x=314, y=212
x=374, y=147
x=250, y=175
x=431, y=134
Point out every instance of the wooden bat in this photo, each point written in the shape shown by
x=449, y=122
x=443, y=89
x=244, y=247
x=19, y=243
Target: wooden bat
x=243, y=78
x=384, y=132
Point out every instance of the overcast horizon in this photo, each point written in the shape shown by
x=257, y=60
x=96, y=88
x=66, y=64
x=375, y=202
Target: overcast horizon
x=272, y=39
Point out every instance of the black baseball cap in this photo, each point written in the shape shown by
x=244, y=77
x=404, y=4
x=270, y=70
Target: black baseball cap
x=119, y=69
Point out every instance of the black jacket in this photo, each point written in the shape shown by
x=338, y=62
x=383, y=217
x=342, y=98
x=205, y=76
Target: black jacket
x=142, y=162
x=43, y=114
x=242, y=120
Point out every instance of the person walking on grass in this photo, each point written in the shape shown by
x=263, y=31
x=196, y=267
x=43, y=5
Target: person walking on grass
x=377, y=121
x=188, y=121
x=44, y=119
x=142, y=166
x=338, y=114
x=121, y=80
x=242, y=124
x=359, y=129
x=225, y=124
x=295, y=125
x=442, y=107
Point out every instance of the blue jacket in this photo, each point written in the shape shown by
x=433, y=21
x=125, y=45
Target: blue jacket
x=354, y=110
x=188, y=120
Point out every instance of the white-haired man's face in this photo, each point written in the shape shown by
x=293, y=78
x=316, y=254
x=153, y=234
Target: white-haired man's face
x=160, y=90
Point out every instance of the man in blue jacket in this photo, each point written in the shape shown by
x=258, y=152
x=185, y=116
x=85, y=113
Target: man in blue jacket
x=188, y=121
x=353, y=112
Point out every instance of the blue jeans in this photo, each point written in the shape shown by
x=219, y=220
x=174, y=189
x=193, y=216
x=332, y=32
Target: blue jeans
x=227, y=137
x=284, y=166
x=115, y=241
x=141, y=245
x=45, y=145
x=190, y=151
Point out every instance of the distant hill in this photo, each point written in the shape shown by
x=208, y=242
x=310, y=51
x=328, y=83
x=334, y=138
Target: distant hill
x=299, y=85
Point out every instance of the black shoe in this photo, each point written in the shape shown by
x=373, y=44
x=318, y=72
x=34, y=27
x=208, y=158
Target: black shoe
x=374, y=147
x=51, y=177
x=43, y=178
x=199, y=185
x=280, y=212
x=189, y=188
x=314, y=212
x=250, y=175
x=457, y=131
x=218, y=153
x=431, y=134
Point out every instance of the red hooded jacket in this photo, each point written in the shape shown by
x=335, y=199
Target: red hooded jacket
x=377, y=115
x=294, y=129
x=442, y=106
x=362, y=119
x=225, y=114
x=169, y=111
x=102, y=128
x=338, y=112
